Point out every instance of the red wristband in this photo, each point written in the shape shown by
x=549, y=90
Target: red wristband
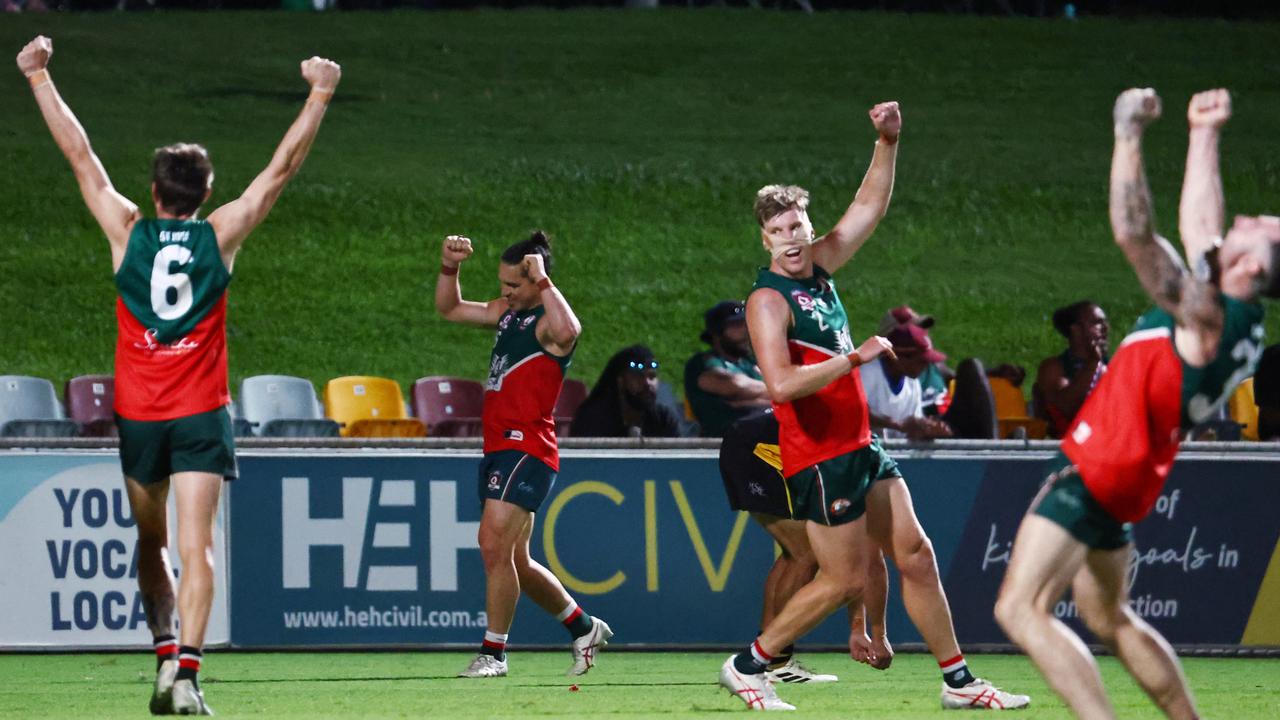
x=544, y=284
x=854, y=361
x=446, y=270
x=889, y=140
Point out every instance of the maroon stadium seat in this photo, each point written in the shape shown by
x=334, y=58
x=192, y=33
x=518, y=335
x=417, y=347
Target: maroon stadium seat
x=449, y=406
x=90, y=402
x=571, y=396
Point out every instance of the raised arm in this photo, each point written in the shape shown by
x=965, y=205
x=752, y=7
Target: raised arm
x=1193, y=304
x=768, y=317
x=233, y=222
x=872, y=201
x=1201, y=209
x=449, y=302
x=114, y=213
x=558, y=330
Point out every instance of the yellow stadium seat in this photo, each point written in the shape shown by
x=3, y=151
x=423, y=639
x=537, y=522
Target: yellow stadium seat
x=1243, y=408
x=1011, y=411
x=370, y=407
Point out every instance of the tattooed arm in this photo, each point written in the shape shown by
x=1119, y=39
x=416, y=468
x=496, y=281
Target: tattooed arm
x=1194, y=304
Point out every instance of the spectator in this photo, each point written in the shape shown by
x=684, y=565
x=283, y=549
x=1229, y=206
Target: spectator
x=624, y=401
x=723, y=384
x=935, y=378
x=1064, y=381
x=895, y=394
x=1266, y=393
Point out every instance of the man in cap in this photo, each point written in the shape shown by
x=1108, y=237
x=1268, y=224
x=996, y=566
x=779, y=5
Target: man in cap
x=893, y=387
x=724, y=384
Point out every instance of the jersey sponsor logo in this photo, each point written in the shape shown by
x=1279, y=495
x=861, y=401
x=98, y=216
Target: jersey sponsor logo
x=1082, y=433
x=175, y=236
x=840, y=506
x=525, y=323
x=804, y=300
x=177, y=347
x=505, y=322
x=516, y=435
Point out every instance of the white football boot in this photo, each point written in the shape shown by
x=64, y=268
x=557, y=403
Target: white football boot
x=754, y=690
x=485, y=666
x=188, y=699
x=794, y=672
x=981, y=695
x=162, y=696
x=585, y=647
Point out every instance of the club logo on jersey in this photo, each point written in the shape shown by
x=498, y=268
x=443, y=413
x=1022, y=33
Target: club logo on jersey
x=497, y=368
x=495, y=480
x=840, y=506
x=505, y=321
x=525, y=323
x=804, y=300
x=150, y=344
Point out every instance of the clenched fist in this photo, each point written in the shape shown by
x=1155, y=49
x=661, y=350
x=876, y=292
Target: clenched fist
x=35, y=56
x=887, y=119
x=1209, y=109
x=1135, y=109
x=456, y=249
x=322, y=74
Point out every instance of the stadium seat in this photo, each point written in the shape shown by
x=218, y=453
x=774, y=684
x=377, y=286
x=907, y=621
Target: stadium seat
x=1243, y=409
x=284, y=406
x=1011, y=411
x=29, y=407
x=572, y=393
x=449, y=406
x=367, y=406
x=91, y=404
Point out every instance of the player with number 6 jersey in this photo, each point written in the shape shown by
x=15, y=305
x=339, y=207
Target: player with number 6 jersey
x=171, y=391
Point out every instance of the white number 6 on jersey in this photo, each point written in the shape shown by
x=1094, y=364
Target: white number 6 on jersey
x=162, y=280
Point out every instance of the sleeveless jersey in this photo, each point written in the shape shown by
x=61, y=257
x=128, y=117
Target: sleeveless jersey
x=171, y=345
x=1126, y=435
x=834, y=420
x=522, y=389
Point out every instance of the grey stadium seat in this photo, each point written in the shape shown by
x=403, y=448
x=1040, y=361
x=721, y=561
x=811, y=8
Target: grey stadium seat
x=29, y=407
x=284, y=406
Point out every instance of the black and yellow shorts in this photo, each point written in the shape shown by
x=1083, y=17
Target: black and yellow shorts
x=751, y=467
x=834, y=492
x=1065, y=500
x=151, y=451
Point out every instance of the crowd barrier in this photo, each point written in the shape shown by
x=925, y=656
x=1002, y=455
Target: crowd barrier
x=340, y=546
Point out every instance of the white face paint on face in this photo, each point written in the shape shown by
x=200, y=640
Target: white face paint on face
x=788, y=233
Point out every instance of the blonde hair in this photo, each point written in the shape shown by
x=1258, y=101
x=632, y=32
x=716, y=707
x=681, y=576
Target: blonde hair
x=773, y=200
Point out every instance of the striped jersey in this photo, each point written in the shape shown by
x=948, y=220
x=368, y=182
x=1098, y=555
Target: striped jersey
x=834, y=420
x=171, y=346
x=1126, y=435
x=522, y=389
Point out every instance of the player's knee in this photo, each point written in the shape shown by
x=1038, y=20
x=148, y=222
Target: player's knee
x=1102, y=620
x=494, y=548
x=916, y=560
x=849, y=589
x=1010, y=612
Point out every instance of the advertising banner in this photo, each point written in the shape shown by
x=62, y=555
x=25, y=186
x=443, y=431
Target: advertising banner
x=68, y=572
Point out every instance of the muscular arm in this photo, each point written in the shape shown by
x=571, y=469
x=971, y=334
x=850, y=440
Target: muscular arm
x=233, y=222
x=115, y=213
x=1193, y=304
x=1202, y=206
x=871, y=202
x=449, y=302
x=768, y=317
x=559, y=328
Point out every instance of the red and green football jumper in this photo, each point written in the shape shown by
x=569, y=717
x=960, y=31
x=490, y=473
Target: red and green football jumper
x=522, y=389
x=833, y=421
x=171, y=346
x=1126, y=435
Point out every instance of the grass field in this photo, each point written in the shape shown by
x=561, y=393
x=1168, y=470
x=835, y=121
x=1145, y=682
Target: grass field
x=638, y=140
x=396, y=685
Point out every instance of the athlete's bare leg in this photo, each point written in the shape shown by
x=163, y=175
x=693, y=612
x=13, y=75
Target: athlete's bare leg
x=892, y=524
x=1045, y=558
x=791, y=570
x=197, y=500
x=149, y=504
x=1101, y=593
x=841, y=552
x=536, y=581
x=502, y=526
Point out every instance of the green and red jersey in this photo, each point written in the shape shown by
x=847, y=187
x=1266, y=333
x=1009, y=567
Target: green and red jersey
x=171, y=347
x=1126, y=435
x=522, y=389
x=834, y=420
